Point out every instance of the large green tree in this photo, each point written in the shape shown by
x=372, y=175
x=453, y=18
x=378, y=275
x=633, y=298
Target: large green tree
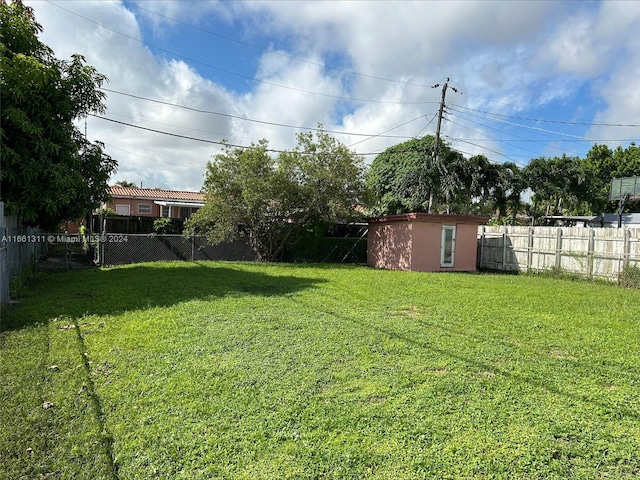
x=264, y=198
x=50, y=172
x=603, y=165
x=405, y=178
x=561, y=185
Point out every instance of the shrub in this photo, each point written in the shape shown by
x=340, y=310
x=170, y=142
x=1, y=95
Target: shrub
x=107, y=212
x=164, y=226
x=630, y=276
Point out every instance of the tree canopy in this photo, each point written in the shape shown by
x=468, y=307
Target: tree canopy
x=404, y=179
x=125, y=183
x=266, y=198
x=50, y=172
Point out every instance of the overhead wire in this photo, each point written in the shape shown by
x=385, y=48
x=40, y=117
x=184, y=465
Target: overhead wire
x=381, y=134
x=186, y=137
x=239, y=117
x=155, y=160
x=230, y=72
x=505, y=142
x=490, y=116
x=425, y=127
x=519, y=107
x=538, y=129
x=281, y=54
x=145, y=120
x=547, y=142
x=222, y=143
x=485, y=148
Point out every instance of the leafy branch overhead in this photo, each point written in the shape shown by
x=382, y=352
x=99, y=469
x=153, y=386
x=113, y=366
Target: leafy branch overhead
x=250, y=193
x=50, y=172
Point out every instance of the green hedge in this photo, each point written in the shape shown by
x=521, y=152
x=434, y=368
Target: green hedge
x=312, y=246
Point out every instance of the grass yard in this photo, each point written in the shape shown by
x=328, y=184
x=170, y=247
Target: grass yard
x=257, y=371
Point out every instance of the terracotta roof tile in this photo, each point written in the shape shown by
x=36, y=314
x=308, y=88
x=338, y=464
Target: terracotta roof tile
x=155, y=193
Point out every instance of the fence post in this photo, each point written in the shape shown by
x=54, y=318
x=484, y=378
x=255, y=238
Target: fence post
x=482, y=239
x=558, y=248
x=590, y=252
x=102, y=246
x=66, y=250
x=530, y=250
x=626, y=247
x=504, y=249
x=192, y=247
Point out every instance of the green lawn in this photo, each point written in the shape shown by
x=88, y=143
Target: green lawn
x=247, y=370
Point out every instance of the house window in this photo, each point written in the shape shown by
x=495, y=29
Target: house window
x=123, y=209
x=144, y=208
x=447, y=246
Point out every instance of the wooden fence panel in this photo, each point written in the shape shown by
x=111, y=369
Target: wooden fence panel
x=593, y=252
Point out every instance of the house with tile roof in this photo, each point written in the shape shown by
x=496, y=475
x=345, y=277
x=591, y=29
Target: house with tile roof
x=154, y=202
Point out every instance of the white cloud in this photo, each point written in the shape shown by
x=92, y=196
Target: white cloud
x=505, y=57
x=155, y=160
x=618, y=25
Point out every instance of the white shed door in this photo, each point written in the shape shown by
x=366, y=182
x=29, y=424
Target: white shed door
x=447, y=245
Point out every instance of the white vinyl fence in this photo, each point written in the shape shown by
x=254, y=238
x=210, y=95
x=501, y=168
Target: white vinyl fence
x=593, y=252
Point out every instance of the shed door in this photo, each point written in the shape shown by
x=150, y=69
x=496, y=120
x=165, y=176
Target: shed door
x=447, y=245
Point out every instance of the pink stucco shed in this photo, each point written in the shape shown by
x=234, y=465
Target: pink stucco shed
x=424, y=242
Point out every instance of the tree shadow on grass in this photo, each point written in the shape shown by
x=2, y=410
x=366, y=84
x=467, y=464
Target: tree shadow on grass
x=138, y=287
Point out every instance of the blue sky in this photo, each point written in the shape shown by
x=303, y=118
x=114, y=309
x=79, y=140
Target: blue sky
x=535, y=79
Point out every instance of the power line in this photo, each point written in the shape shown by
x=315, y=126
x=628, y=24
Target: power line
x=517, y=107
x=110, y=145
x=529, y=127
x=238, y=117
x=186, y=137
x=561, y=122
x=285, y=55
x=486, y=148
x=221, y=135
x=253, y=79
x=545, y=144
x=425, y=127
x=202, y=140
x=387, y=131
x=492, y=138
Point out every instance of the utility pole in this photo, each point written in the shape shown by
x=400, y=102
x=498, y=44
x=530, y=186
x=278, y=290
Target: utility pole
x=436, y=146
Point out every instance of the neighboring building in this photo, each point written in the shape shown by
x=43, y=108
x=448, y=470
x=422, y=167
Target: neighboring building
x=424, y=242
x=627, y=220
x=154, y=202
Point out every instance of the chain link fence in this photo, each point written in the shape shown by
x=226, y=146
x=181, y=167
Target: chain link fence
x=121, y=249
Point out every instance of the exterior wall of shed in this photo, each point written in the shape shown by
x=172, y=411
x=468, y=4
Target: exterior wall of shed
x=426, y=240
x=427, y=244
x=416, y=245
x=466, y=253
x=389, y=246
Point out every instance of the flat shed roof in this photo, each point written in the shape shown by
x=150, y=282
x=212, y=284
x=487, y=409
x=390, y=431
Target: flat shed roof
x=429, y=217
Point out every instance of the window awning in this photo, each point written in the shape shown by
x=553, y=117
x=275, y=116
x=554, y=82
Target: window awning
x=169, y=203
